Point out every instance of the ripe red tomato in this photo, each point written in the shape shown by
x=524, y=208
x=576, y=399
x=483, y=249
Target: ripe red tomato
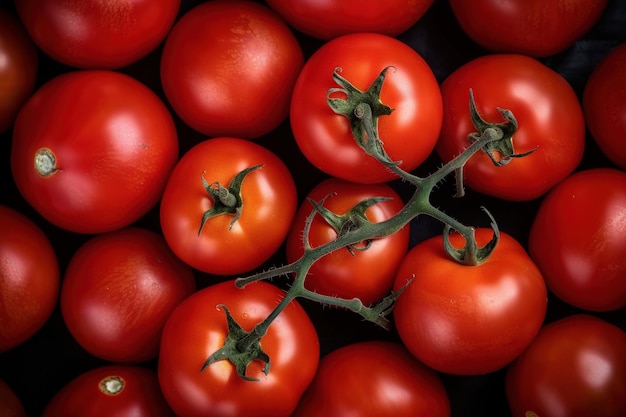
x=331, y=18
x=549, y=116
x=577, y=239
x=118, y=290
x=228, y=68
x=113, y=390
x=92, y=150
x=366, y=271
x=18, y=69
x=374, y=378
x=29, y=278
x=409, y=133
x=469, y=320
x=98, y=34
x=197, y=328
x=227, y=244
x=604, y=104
x=530, y=27
x=10, y=404
x=576, y=366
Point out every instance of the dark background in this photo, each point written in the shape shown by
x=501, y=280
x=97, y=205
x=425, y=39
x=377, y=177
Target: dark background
x=37, y=369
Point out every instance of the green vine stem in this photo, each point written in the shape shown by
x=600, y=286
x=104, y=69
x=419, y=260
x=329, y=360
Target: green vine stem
x=363, y=108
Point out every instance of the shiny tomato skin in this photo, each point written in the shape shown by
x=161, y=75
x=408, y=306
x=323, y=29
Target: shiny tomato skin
x=604, y=104
x=576, y=366
x=97, y=34
x=114, y=142
x=327, y=19
x=469, y=320
x=409, y=133
x=374, y=378
x=530, y=27
x=269, y=204
x=577, y=239
x=234, y=76
x=29, y=278
x=10, y=404
x=197, y=328
x=97, y=393
x=548, y=113
x=368, y=274
x=18, y=72
x=118, y=290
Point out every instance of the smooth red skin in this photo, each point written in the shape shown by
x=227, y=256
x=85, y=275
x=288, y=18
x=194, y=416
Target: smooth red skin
x=409, y=134
x=82, y=397
x=531, y=27
x=368, y=274
x=327, y=19
x=577, y=239
x=10, y=404
x=576, y=366
x=118, y=290
x=604, y=104
x=374, y=378
x=115, y=144
x=469, y=320
x=97, y=34
x=234, y=76
x=548, y=112
x=269, y=204
x=197, y=328
x=29, y=278
x=18, y=72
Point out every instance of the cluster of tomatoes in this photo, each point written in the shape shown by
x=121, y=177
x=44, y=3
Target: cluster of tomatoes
x=154, y=151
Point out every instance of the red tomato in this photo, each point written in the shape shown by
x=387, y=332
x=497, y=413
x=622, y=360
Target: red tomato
x=233, y=76
x=530, y=27
x=98, y=34
x=578, y=239
x=549, y=117
x=575, y=367
x=113, y=390
x=365, y=272
x=469, y=320
x=225, y=244
x=10, y=404
x=392, y=384
x=328, y=19
x=604, y=104
x=18, y=68
x=197, y=328
x=29, y=278
x=409, y=133
x=118, y=290
x=92, y=150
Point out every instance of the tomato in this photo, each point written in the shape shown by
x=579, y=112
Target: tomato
x=374, y=378
x=604, y=104
x=29, y=278
x=234, y=76
x=529, y=27
x=118, y=290
x=10, y=404
x=112, y=390
x=575, y=367
x=235, y=242
x=469, y=320
x=549, y=116
x=97, y=34
x=18, y=71
x=366, y=271
x=198, y=327
x=409, y=133
x=577, y=239
x=331, y=18
x=92, y=150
